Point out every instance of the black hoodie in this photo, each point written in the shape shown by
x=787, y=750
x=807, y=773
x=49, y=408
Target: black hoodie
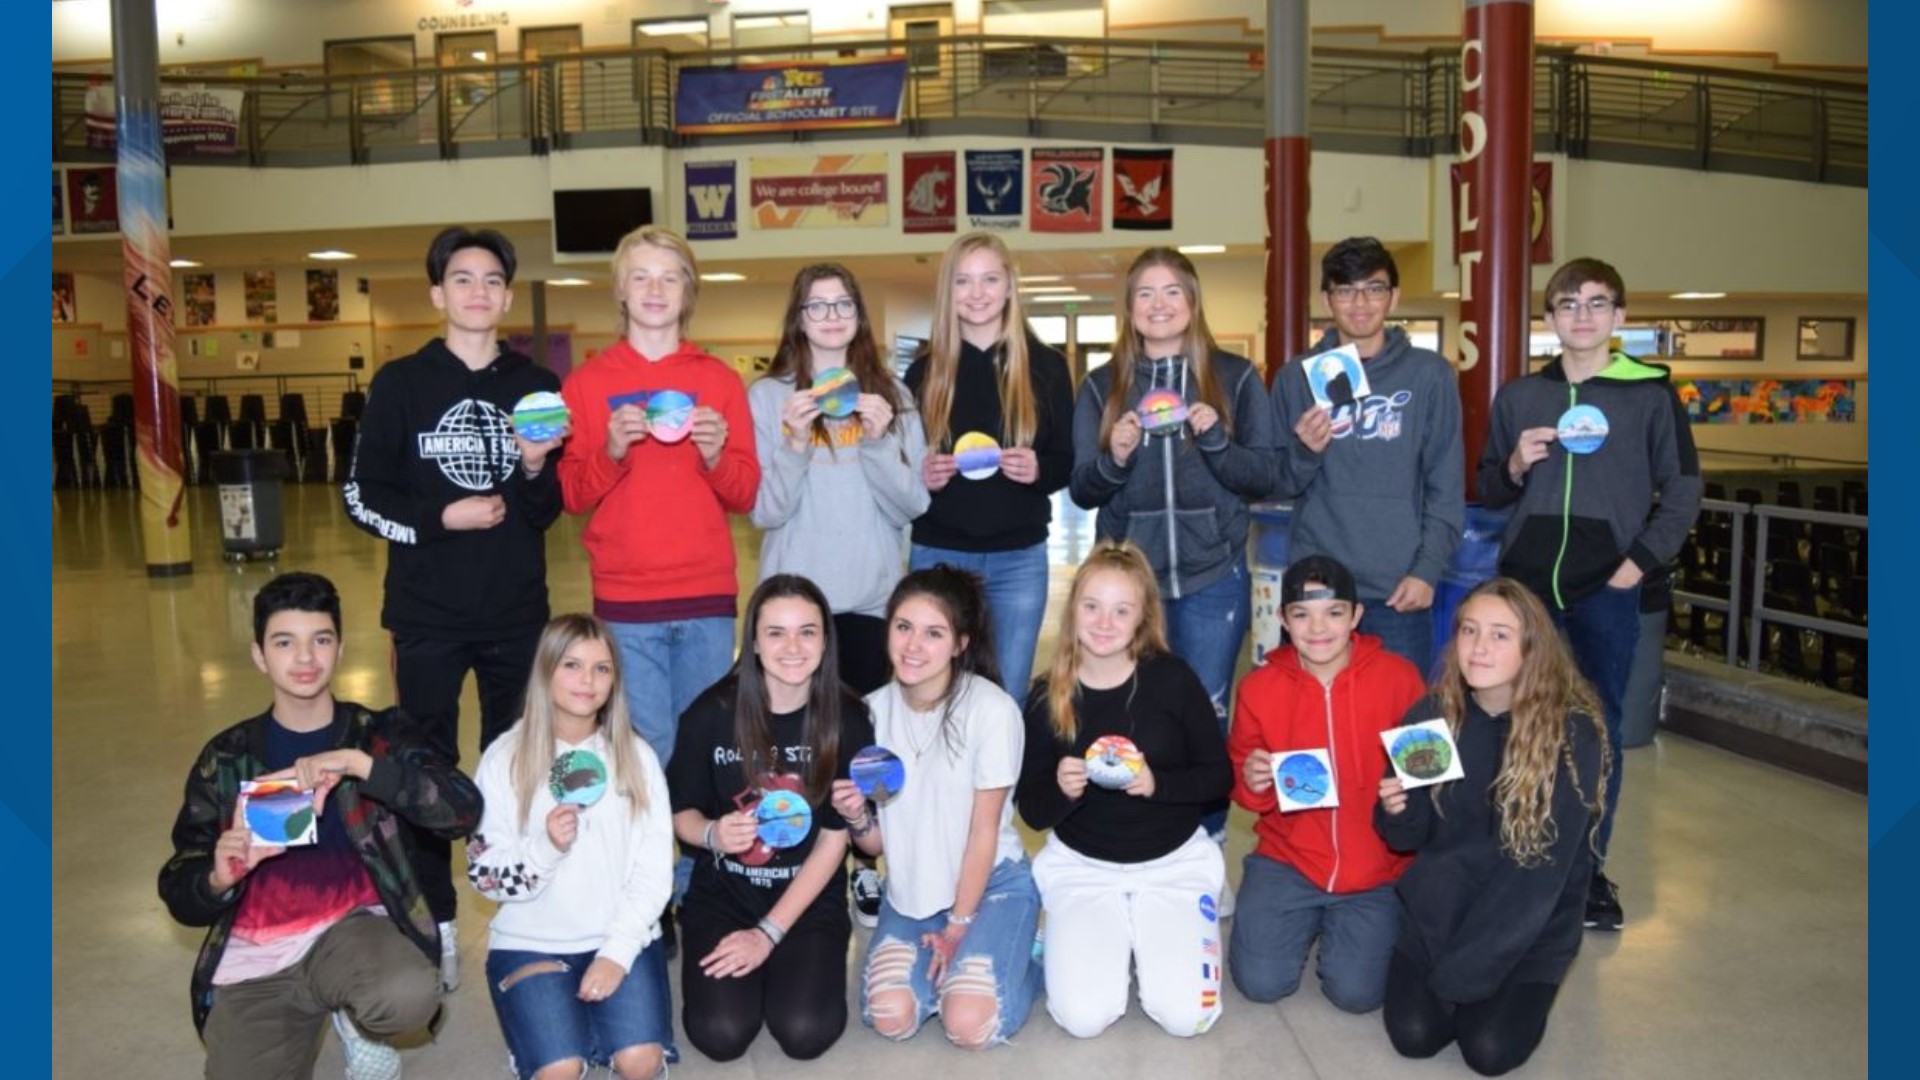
x=436, y=432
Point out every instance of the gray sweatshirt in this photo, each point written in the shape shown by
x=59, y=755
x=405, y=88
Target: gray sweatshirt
x=1387, y=497
x=1182, y=499
x=838, y=514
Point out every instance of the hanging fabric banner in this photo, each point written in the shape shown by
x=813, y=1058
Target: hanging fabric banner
x=926, y=186
x=1142, y=189
x=712, y=205
x=993, y=189
x=1066, y=190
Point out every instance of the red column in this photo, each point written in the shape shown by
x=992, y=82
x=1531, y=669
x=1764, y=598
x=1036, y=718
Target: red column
x=1495, y=206
x=1288, y=245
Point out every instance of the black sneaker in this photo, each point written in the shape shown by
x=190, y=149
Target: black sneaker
x=1603, y=904
x=668, y=935
x=866, y=896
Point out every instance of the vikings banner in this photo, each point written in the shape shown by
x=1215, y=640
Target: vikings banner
x=193, y=120
x=825, y=192
x=1142, y=189
x=1065, y=188
x=798, y=96
x=927, y=192
x=711, y=202
x=993, y=189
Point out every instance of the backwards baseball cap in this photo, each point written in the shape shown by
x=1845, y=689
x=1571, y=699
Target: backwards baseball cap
x=1317, y=577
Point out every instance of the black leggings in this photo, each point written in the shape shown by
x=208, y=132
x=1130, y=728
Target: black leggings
x=1496, y=1036
x=863, y=653
x=800, y=993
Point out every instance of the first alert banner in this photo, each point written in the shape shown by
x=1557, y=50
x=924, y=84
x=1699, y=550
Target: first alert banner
x=825, y=192
x=798, y=96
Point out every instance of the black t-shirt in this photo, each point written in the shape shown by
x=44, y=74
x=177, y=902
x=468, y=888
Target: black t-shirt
x=706, y=774
x=1166, y=712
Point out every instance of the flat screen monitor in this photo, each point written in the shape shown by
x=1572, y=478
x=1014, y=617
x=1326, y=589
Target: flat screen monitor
x=591, y=221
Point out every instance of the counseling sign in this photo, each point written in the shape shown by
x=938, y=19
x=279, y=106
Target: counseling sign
x=789, y=96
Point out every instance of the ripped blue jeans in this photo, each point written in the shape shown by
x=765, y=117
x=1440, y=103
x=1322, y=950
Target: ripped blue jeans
x=995, y=957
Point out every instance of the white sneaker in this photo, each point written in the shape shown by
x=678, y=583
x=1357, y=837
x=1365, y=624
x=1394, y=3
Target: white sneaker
x=367, y=1059
x=449, y=956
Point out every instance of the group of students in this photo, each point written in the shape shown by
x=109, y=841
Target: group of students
x=1453, y=907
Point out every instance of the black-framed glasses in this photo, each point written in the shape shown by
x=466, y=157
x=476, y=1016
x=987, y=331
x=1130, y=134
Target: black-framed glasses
x=1373, y=291
x=818, y=310
x=1595, y=306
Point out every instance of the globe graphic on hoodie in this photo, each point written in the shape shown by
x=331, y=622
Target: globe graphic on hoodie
x=473, y=445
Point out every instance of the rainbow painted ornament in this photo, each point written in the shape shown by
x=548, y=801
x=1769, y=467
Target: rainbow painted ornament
x=669, y=415
x=837, y=391
x=540, y=416
x=1113, y=761
x=1161, y=411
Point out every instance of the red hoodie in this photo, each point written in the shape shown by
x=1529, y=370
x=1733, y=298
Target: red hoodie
x=659, y=526
x=1280, y=706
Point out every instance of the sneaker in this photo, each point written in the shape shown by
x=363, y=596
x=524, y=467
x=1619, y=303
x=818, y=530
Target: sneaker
x=1603, y=904
x=866, y=896
x=367, y=1059
x=449, y=956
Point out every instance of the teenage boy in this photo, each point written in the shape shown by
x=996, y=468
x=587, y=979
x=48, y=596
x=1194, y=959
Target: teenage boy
x=463, y=503
x=1379, y=479
x=1319, y=871
x=336, y=926
x=1600, y=499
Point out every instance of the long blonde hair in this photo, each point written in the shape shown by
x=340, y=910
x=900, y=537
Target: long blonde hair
x=533, y=757
x=1198, y=348
x=1549, y=696
x=673, y=244
x=1019, y=415
x=1149, y=638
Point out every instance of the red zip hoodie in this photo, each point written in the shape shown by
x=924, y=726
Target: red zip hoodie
x=1280, y=706
x=659, y=526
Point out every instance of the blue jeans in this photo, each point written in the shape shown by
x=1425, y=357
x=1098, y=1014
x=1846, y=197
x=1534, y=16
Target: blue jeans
x=1208, y=629
x=545, y=1021
x=1016, y=596
x=665, y=665
x=1603, y=630
x=997, y=953
x=1277, y=916
x=1408, y=634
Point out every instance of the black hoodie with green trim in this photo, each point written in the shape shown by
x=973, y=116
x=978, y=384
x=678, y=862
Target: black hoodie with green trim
x=1578, y=516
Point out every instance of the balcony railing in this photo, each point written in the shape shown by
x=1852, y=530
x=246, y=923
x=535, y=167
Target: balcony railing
x=1635, y=111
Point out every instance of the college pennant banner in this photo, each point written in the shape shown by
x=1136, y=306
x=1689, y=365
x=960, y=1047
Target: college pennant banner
x=712, y=205
x=826, y=192
x=993, y=189
x=1065, y=187
x=927, y=192
x=1142, y=189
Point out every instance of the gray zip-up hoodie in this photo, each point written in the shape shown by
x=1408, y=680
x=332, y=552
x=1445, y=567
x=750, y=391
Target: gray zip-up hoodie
x=838, y=514
x=1182, y=499
x=1387, y=497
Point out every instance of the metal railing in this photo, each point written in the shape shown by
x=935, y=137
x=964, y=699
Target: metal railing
x=1635, y=111
x=323, y=392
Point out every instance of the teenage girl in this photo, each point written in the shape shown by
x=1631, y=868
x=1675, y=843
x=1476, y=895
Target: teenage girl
x=1128, y=877
x=575, y=963
x=958, y=917
x=985, y=373
x=837, y=494
x=764, y=926
x=1494, y=899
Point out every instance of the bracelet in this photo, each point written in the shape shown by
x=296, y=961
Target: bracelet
x=772, y=930
x=865, y=825
x=706, y=839
x=962, y=920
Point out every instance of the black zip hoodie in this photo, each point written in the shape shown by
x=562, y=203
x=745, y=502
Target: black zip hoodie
x=435, y=432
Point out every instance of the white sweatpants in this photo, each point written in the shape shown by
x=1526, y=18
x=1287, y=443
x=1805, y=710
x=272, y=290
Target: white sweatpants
x=1163, y=916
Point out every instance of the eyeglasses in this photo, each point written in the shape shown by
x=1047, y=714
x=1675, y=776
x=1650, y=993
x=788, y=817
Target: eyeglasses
x=1593, y=305
x=819, y=310
x=1372, y=291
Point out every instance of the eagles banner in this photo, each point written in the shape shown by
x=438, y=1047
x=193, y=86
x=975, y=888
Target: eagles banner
x=927, y=192
x=1142, y=189
x=1064, y=186
x=993, y=189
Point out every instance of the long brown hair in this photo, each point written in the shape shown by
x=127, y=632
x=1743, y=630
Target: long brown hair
x=825, y=696
x=794, y=357
x=533, y=757
x=1549, y=696
x=1149, y=638
x=1019, y=415
x=1198, y=348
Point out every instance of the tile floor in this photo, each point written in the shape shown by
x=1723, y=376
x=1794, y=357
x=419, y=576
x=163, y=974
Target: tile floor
x=1745, y=887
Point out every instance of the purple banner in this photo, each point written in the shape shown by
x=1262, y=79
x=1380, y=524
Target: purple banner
x=712, y=201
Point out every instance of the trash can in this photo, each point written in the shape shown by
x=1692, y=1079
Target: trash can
x=1268, y=539
x=252, y=520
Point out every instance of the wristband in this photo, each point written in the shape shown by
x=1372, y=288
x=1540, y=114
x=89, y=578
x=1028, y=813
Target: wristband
x=865, y=825
x=706, y=839
x=962, y=920
x=772, y=930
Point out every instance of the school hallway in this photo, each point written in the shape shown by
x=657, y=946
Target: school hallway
x=1745, y=886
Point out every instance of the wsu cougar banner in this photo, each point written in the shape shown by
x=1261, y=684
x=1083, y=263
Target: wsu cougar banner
x=1065, y=189
x=1142, y=189
x=825, y=192
x=927, y=192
